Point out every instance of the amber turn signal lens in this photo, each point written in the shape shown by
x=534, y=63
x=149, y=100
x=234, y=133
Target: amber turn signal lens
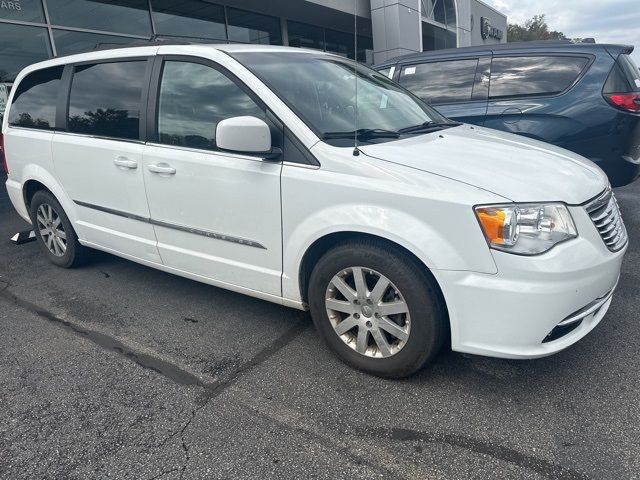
x=493, y=223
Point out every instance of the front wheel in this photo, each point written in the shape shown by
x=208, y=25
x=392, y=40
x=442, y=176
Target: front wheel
x=376, y=308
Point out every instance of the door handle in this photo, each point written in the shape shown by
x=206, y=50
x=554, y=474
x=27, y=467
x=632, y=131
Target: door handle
x=125, y=162
x=162, y=168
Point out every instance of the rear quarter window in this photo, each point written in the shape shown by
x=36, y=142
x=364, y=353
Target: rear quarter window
x=624, y=77
x=34, y=103
x=534, y=75
x=449, y=81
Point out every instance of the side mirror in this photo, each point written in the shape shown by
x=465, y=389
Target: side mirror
x=248, y=135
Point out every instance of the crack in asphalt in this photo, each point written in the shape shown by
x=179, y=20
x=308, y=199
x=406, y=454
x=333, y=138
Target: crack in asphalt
x=298, y=422
x=144, y=360
x=217, y=388
x=539, y=465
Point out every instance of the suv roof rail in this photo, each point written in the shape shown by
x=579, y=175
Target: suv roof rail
x=501, y=47
x=155, y=40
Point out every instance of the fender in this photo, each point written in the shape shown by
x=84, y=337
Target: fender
x=36, y=172
x=410, y=232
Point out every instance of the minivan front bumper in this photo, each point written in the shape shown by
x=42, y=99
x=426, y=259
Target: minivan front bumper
x=534, y=306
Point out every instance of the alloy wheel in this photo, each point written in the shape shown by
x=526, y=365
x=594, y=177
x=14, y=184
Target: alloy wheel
x=51, y=230
x=368, y=312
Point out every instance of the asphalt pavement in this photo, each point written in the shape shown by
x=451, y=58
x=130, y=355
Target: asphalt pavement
x=116, y=370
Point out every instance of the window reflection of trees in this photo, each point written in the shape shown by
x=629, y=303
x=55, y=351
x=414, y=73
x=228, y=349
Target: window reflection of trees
x=194, y=98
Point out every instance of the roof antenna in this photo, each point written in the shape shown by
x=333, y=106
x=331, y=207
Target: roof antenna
x=356, y=152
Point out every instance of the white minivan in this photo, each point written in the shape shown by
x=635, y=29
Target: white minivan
x=236, y=165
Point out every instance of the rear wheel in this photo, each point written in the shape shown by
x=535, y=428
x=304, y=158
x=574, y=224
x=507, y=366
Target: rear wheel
x=55, y=234
x=376, y=308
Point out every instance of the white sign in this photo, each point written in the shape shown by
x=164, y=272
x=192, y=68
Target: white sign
x=4, y=94
x=410, y=70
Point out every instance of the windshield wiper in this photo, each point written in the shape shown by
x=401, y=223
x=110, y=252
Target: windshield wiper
x=429, y=127
x=362, y=134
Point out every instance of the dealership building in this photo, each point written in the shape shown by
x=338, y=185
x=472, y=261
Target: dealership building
x=33, y=30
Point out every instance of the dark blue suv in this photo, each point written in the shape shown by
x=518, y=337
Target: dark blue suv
x=584, y=97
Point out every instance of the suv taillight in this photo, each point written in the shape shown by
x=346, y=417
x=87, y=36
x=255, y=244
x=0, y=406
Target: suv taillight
x=3, y=156
x=629, y=102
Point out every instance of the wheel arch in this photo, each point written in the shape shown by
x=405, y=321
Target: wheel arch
x=325, y=243
x=29, y=189
x=36, y=178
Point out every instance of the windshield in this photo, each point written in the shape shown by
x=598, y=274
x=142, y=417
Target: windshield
x=321, y=90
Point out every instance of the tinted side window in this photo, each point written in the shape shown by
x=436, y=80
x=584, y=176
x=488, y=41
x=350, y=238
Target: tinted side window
x=193, y=99
x=624, y=77
x=441, y=82
x=105, y=99
x=34, y=104
x=525, y=76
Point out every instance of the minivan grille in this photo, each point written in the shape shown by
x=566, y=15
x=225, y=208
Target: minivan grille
x=605, y=214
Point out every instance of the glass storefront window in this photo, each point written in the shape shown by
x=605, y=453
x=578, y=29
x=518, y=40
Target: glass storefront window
x=437, y=38
x=23, y=10
x=450, y=13
x=365, y=44
x=120, y=16
x=68, y=42
x=340, y=43
x=21, y=46
x=305, y=36
x=188, y=18
x=249, y=27
x=439, y=12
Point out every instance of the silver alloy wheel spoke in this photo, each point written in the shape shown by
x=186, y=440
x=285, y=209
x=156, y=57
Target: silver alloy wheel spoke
x=345, y=289
x=345, y=325
x=379, y=290
x=393, y=328
x=360, y=282
x=381, y=342
x=340, y=305
x=362, y=340
x=375, y=323
x=392, y=308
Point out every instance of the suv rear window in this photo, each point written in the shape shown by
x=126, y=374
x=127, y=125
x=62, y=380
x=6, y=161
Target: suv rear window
x=528, y=76
x=441, y=82
x=105, y=99
x=34, y=104
x=624, y=77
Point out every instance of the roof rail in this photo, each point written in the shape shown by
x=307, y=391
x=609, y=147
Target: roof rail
x=155, y=41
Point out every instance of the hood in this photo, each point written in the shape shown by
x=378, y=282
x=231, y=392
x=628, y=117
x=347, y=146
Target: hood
x=512, y=166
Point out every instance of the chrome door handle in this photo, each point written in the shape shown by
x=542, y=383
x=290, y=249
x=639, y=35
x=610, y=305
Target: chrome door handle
x=125, y=162
x=162, y=168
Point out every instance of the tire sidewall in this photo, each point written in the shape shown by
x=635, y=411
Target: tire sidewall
x=427, y=329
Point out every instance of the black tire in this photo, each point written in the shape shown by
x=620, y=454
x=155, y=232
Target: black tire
x=75, y=254
x=418, y=289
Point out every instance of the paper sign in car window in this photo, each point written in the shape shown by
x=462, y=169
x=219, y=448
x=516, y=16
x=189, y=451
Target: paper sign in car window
x=410, y=70
x=4, y=94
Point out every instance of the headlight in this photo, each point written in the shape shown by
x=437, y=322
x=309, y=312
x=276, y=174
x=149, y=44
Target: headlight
x=526, y=229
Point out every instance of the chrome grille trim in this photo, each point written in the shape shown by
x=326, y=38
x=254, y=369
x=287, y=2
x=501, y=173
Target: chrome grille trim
x=605, y=215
